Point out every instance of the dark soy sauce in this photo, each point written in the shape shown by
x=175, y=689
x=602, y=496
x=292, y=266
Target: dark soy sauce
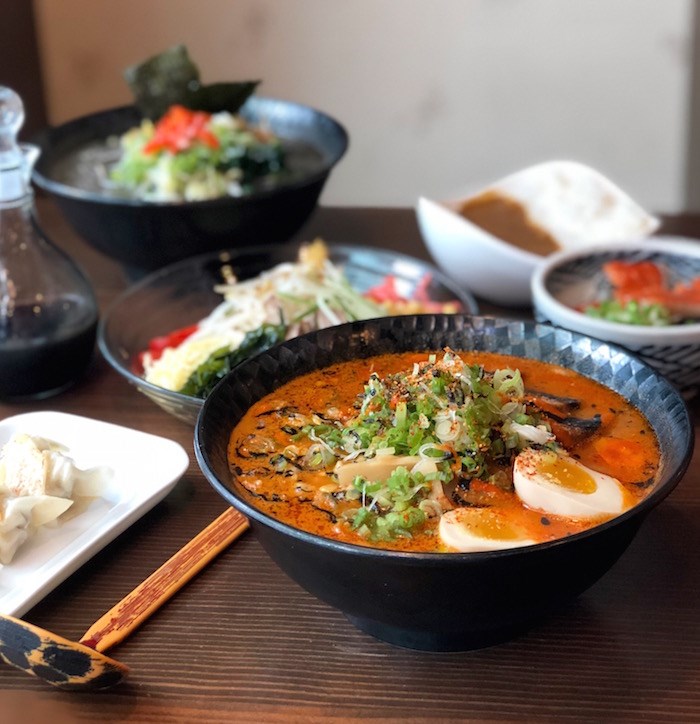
x=44, y=349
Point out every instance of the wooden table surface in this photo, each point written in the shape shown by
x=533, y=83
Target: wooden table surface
x=242, y=642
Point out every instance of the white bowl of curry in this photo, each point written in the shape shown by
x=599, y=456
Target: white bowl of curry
x=493, y=239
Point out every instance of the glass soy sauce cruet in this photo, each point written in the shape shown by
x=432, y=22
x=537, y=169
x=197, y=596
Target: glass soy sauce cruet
x=48, y=311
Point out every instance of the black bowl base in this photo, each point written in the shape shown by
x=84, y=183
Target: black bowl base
x=422, y=640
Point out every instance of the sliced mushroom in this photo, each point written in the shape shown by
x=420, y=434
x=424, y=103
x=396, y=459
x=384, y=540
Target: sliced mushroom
x=255, y=446
x=544, y=400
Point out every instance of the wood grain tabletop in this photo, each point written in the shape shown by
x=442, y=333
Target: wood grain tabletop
x=242, y=642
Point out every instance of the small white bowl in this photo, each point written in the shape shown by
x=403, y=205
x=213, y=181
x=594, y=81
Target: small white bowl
x=490, y=268
x=571, y=279
x=573, y=203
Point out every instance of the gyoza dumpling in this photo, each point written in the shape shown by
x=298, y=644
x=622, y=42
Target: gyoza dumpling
x=21, y=515
x=37, y=466
x=63, y=478
x=37, y=484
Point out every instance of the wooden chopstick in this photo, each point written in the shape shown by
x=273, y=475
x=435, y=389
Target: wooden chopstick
x=147, y=597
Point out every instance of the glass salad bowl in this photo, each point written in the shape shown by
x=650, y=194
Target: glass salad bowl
x=182, y=294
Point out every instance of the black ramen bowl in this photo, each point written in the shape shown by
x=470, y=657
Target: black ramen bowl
x=146, y=235
x=445, y=601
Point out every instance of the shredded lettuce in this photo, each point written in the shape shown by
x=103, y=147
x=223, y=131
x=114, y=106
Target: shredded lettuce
x=199, y=171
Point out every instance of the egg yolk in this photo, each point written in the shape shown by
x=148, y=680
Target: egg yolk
x=566, y=474
x=490, y=526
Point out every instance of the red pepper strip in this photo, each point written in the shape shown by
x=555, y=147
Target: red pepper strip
x=179, y=129
x=158, y=345
x=633, y=275
x=644, y=282
x=682, y=299
x=385, y=292
x=635, y=281
x=688, y=292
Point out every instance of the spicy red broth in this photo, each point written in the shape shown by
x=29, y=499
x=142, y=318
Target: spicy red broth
x=461, y=425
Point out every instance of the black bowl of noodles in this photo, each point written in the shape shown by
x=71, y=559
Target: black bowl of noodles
x=448, y=600
x=145, y=235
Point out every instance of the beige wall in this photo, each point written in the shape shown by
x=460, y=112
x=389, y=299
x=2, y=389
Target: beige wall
x=438, y=95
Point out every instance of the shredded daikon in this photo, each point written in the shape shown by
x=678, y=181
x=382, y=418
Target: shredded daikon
x=308, y=294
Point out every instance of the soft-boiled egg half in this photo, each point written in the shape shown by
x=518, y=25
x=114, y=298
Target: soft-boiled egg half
x=556, y=483
x=469, y=530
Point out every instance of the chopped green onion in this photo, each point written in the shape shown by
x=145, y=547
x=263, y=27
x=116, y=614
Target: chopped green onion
x=457, y=416
x=633, y=312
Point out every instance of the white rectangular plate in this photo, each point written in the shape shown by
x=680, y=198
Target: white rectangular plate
x=146, y=467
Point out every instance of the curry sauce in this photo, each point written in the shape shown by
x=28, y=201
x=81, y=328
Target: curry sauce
x=507, y=219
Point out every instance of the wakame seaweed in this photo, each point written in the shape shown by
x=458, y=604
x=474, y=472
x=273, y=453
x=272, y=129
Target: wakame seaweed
x=203, y=380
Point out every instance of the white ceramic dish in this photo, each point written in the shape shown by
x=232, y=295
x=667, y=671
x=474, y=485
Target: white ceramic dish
x=488, y=267
x=146, y=468
x=573, y=203
x=572, y=279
